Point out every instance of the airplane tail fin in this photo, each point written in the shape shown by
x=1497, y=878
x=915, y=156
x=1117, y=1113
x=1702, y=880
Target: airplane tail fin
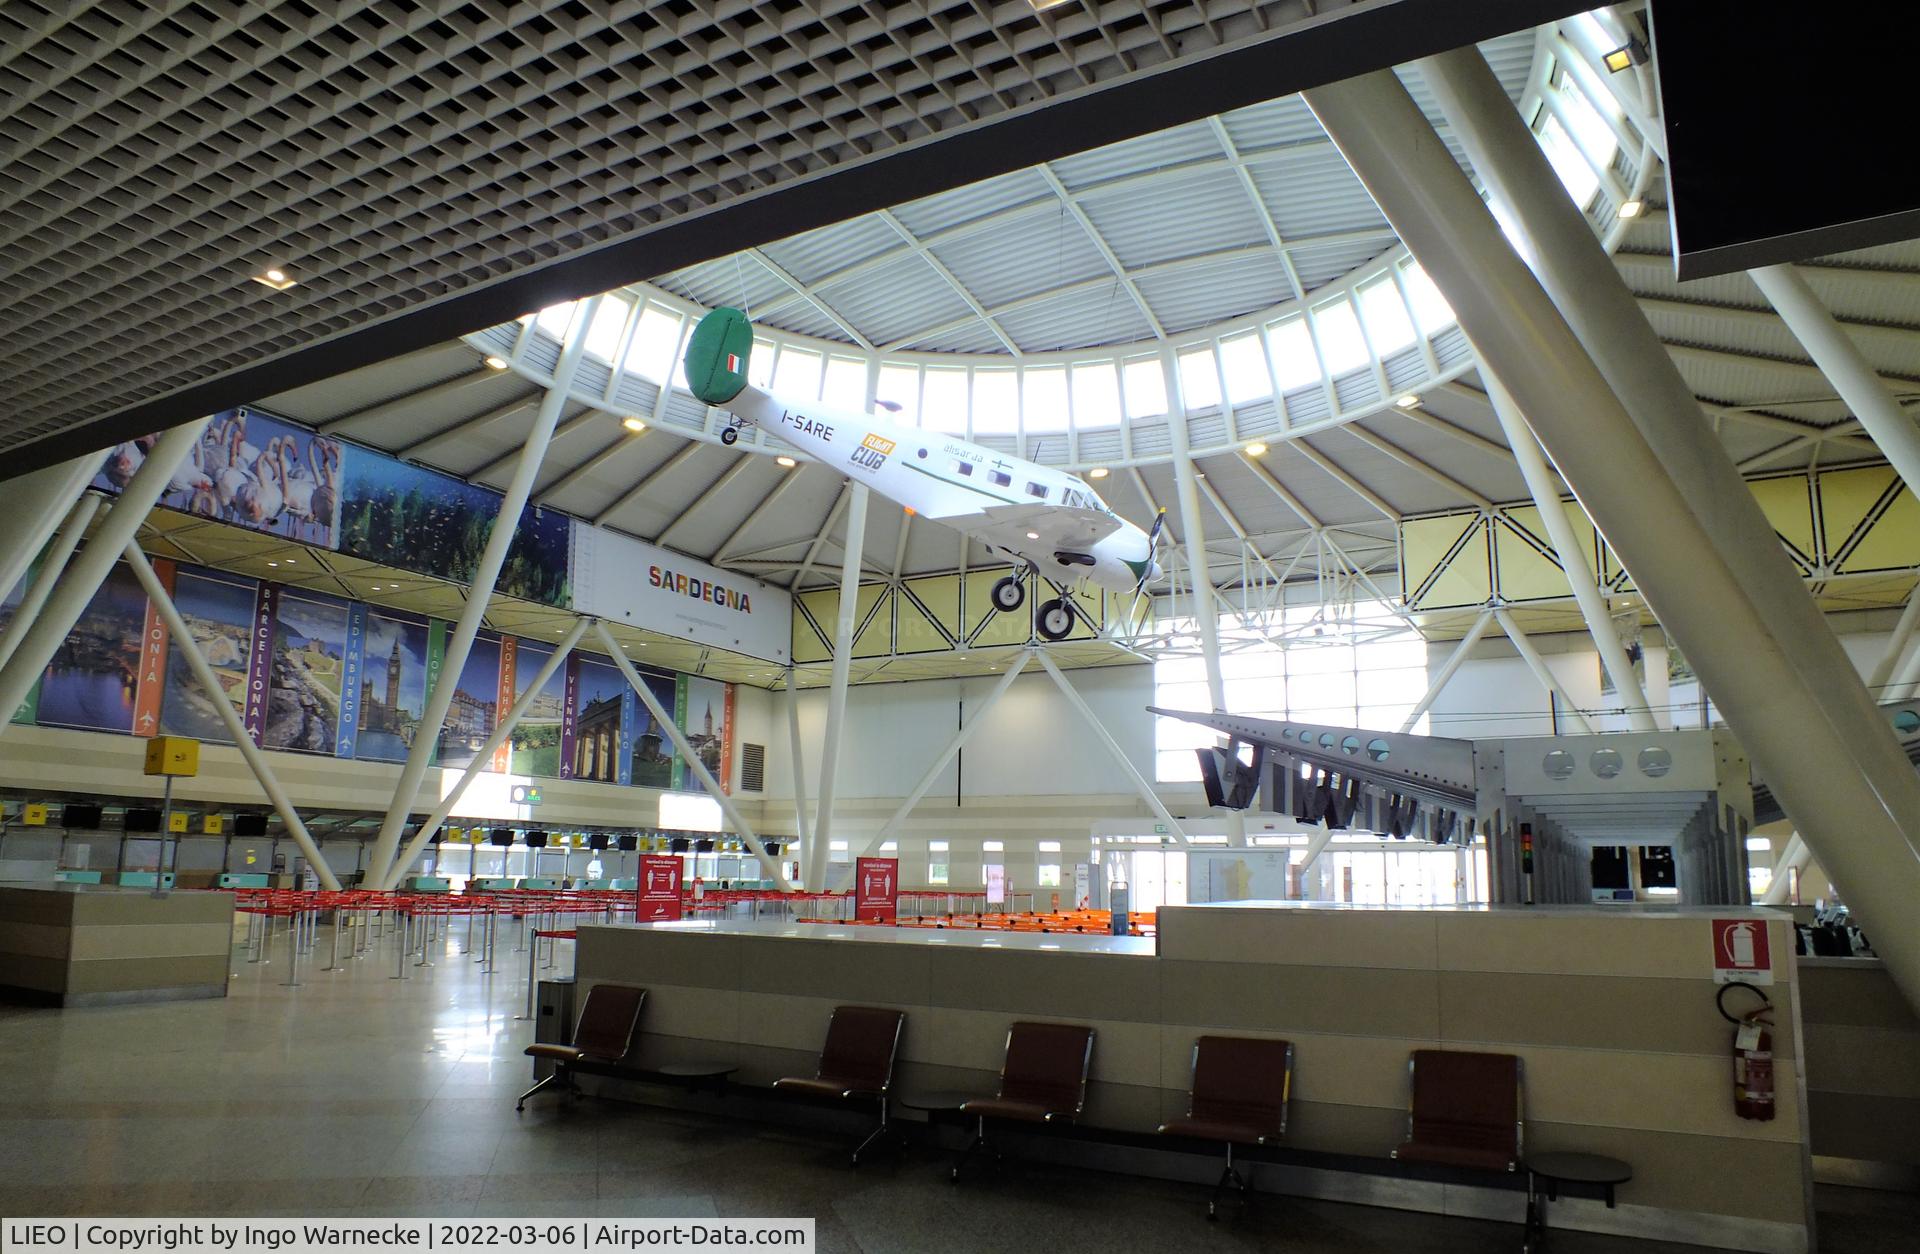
x=717, y=354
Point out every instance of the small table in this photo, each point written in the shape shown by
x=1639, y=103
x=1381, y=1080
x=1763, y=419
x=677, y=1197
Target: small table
x=696, y=1075
x=1554, y=1170
x=940, y=1105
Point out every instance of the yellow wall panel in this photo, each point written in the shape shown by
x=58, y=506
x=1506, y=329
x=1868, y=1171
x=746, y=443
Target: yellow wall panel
x=809, y=642
x=1435, y=579
x=1846, y=498
x=1787, y=501
x=873, y=621
x=1526, y=573
x=926, y=614
x=1872, y=522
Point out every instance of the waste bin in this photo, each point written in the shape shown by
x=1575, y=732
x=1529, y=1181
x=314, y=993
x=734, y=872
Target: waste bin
x=552, y=1019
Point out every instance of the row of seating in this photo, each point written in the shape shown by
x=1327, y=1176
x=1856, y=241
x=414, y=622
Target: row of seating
x=1464, y=1107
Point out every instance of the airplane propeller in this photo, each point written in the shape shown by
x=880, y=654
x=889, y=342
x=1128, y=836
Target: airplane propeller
x=1153, y=546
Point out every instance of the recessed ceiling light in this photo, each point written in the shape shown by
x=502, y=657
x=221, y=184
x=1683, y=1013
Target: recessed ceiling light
x=1098, y=472
x=1041, y=6
x=1632, y=208
x=273, y=563
x=632, y=423
x=1408, y=401
x=496, y=363
x=784, y=460
x=276, y=278
x=1033, y=535
x=1256, y=449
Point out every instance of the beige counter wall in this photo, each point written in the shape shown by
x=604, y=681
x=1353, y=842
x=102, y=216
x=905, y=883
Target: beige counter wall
x=79, y=945
x=1863, y=1072
x=1613, y=1016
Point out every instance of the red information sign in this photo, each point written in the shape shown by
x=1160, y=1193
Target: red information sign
x=1740, y=952
x=876, y=889
x=657, y=899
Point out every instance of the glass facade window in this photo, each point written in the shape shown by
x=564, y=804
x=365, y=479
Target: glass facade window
x=1430, y=308
x=845, y=385
x=996, y=402
x=1199, y=380
x=603, y=333
x=1096, y=397
x=943, y=404
x=1245, y=368
x=1389, y=329
x=797, y=374
x=1366, y=670
x=900, y=385
x=936, y=862
x=1341, y=344
x=1146, y=387
x=1044, y=391
x=655, y=338
x=1294, y=362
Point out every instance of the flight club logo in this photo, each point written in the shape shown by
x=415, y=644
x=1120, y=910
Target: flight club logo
x=872, y=453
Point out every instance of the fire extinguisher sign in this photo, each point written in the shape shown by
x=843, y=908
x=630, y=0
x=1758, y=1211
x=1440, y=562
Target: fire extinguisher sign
x=1740, y=952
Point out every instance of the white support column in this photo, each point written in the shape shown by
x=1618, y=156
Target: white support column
x=1448, y=667
x=663, y=718
x=1573, y=561
x=816, y=876
x=799, y=765
x=50, y=572
x=932, y=773
x=1794, y=856
x=427, y=735
x=87, y=572
x=1538, y=665
x=1896, y=647
x=1316, y=845
x=1650, y=473
x=36, y=503
x=1906, y=685
x=1206, y=610
x=223, y=706
x=1119, y=755
x=1845, y=366
x=484, y=754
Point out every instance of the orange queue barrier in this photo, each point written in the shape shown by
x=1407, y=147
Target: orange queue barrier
x=1075, y=922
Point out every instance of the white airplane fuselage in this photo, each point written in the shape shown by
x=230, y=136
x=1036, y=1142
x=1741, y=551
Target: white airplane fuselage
x=947, y=479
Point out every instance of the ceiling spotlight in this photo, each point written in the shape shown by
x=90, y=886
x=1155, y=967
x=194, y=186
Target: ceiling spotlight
x=784, y=460
x=633, y=424
x=1256, y=449
x=1098, y=472
x=1033, y=535
x=1408, y=401
x=496, y=362
x=273, y=563
x=277, y=279
x=1628, y=54
x=1632, y=208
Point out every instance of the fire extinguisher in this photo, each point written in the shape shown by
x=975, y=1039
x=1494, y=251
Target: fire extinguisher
x=1752, y=1054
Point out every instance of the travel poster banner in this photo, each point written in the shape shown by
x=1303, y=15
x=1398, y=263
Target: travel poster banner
x=219, y=613
x=307, y=671
x=90, y=683
x=568, y=723
x=534, y=746
x=266, y=605
x=597, y=697
x=701, y=708
x=504, y=697
x=476, y=704
x=353, y=668
x=653, y=760
x=251, y=470
x=393, y=685
x=412, y=518
x=151, y=686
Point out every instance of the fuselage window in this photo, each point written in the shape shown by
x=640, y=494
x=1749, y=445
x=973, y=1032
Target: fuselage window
x=1000, y=478
x=964, y=469
x=1037, y=489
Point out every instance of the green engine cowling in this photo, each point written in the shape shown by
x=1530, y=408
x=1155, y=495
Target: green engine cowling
x=717, y=354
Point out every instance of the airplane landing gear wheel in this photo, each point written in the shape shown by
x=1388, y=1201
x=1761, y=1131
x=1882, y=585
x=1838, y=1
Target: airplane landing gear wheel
x=728, y=435
x=1009, y=594
x=1056, y=620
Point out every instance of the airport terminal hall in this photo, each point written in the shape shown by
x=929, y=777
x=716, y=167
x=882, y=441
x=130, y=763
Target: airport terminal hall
x=932, y=626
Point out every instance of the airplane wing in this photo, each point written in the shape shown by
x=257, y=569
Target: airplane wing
x=1059, y=526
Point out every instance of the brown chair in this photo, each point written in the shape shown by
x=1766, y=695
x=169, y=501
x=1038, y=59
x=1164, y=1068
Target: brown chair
x=1042, y=1080
x=608, y=1030
x=1241, y=1087
x=856, y=1063
x=1465, y=1110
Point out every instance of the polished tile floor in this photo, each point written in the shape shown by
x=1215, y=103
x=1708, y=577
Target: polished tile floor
x=355, y=1094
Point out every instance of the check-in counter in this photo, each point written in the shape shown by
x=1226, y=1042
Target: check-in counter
x=91, y=945
x=1612, y=1012
x=1863, y=1073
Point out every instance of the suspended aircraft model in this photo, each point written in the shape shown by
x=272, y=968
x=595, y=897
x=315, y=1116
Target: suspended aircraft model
x=1047, y=521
